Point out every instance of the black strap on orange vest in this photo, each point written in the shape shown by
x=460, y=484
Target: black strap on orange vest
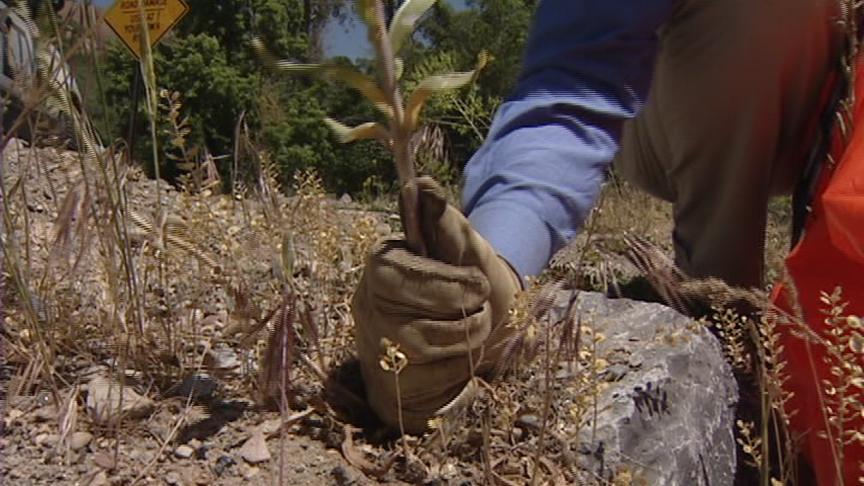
x=806, y=188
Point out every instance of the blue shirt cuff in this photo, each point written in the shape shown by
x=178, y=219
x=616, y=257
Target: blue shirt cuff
x=517, y=234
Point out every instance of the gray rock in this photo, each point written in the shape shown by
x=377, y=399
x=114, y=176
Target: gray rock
x=47, y=413
x=198, y=387
x=249, y=472
x=105, y=398
x=142, y=456
x=46, y=440
x=254, y=450
x=99, y=478
x=79, y=440
x=173, y=478
x=104, y=461
x=668, y=411
x=184, y=451
x=528, y=421
x=223, y=361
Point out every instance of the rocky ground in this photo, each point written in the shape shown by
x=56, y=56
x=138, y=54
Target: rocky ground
x=191, y=401
x=244, y=449
x=192, y=427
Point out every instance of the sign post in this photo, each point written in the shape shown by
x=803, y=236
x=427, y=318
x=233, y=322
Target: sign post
x=124, y=18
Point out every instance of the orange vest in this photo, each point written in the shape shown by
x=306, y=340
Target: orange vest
x=829, y=254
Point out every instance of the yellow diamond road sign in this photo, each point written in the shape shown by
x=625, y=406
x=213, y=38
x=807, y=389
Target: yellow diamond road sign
x=124, y=17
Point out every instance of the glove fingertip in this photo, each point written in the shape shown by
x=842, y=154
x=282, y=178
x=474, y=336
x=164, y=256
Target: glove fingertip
x=433, y=198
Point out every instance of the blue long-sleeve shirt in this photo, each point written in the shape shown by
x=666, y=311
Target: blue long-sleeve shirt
x=586, y=70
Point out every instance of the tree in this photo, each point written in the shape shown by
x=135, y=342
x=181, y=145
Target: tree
x=449, y=40
x=207, y=59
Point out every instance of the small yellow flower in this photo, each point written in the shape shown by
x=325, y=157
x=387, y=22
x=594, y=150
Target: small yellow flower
x=435, y=423
x=392, y=359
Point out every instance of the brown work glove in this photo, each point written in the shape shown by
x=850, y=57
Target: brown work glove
x=435, y=309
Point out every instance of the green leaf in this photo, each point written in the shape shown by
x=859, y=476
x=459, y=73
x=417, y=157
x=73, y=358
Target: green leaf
x=399, y=66
x=350, y=76
x=403, y=22
x=434, y=84
x=366, y=131
x=289, y=255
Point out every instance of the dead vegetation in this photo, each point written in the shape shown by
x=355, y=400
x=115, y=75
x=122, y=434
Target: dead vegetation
x=145, y=325
x=234, y=305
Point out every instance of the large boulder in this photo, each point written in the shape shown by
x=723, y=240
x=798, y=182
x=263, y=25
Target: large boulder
x=668, y=413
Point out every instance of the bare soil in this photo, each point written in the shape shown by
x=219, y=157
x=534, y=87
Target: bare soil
x=178, y=441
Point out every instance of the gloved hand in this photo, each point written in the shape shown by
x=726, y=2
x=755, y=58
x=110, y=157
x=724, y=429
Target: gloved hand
x=435, y=308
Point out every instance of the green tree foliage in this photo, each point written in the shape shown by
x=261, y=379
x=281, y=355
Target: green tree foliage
x=214, y=90
x=208, y=60
x=291, y=117
x=448, y=41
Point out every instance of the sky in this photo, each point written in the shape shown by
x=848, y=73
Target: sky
x=349, y=40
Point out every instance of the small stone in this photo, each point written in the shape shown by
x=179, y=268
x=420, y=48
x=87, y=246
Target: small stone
x=142, y=456
x=255, y=449
x=249, y=472
x=199, y=387
x=99, y=479
x=194, y=443
x=345, y=199
x=173, y=478
x=449, y=471
x=47, y=413
x=529, y=421
x=104, y=398
x=36, y=208
x=270, y=427
x=222, y=361
x=80, y=440
x=184, y=451
x=47, y=440
x=13, y=415
x=104, y=461
x=224, y=462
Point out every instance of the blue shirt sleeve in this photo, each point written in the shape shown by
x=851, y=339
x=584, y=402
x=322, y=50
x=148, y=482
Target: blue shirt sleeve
x=587, y=69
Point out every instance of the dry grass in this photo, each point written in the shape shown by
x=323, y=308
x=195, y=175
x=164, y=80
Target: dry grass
x=265, y=279
x=110, y=275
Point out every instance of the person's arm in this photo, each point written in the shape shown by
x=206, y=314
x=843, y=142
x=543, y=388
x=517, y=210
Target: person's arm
x=586, y=70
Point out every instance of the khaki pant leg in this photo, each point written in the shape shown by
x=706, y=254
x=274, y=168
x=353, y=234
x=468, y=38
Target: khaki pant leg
x=725, y=126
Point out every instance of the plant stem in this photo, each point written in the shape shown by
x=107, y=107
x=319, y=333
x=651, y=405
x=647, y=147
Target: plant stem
x=405, y=450
x=401, y=143
x=148, y=76
x=547, y=404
